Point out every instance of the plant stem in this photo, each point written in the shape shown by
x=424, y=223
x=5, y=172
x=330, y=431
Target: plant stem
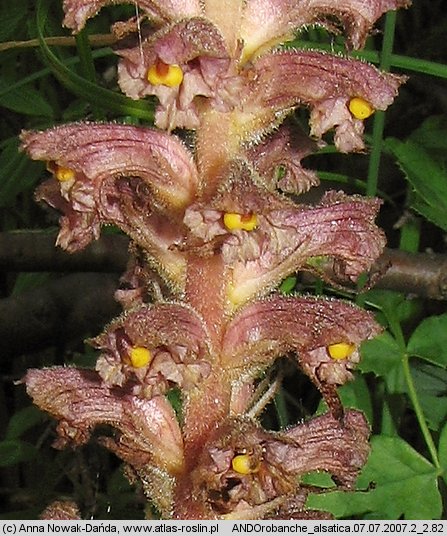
x=419, y=412
x=396, y=330
x=281, y=409
x=85, y=55
x=379, y=119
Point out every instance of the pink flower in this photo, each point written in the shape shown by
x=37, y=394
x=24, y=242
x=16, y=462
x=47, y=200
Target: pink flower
x=204, y=56
x=248, y=473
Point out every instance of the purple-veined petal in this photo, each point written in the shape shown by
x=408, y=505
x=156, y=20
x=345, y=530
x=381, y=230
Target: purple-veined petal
x=266, y=329
x=268, y=22
x=81, y=401
x=324, y=82
x=295, y=238
x=78, y=227
x=285, y=149
x=177, y=341
x=341, y=227
x=78, y=11
x=325, y=444
x=102, y=151
x=226, y=493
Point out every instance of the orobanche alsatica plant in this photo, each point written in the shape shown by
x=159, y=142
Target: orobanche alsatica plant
x=215, y=222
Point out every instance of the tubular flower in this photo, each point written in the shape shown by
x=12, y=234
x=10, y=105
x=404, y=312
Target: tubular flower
x=224, y=491
x=265, y=329
x=179, y=349
x=136, y=178
x=286, y=236
x=148, y=429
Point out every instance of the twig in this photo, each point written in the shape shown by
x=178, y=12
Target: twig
x=420, y=274
x=66, y=309
x=96, y=40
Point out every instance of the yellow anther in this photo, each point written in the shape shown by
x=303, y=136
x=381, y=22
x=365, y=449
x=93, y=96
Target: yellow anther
x=163, y=74
x=245, y=464
x=360, y=108
x=64, y=174
x=246, y=222
x=139, y=356
x=340, y=350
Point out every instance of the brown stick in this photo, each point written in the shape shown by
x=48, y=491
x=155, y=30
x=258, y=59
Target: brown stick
x=96, y=40
x=421, y=274
x=34, y=251
x=66, y=309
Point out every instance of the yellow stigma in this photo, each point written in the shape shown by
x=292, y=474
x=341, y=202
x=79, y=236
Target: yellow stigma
x=243, y=464
x=246, y=222
x=163, y=74
x=139, y=356
x=340, y=350
x=360, y=108
x=64, y=174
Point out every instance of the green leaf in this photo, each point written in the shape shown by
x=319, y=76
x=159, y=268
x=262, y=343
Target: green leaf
x=432, y=135
x=27, y=101
x=17, y=172
x=429, y=340
x=11, y=15
x=399, y=484
x=380, y=355
x=393, y=304
x=431, y=386
x=97, y=95
x=356, y=395
x=427, y=176
x=442, y=452
x=288, y=285
x=14, y=451
x=23, y=420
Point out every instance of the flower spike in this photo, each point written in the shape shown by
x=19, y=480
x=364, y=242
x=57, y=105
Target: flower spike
x=178, y=375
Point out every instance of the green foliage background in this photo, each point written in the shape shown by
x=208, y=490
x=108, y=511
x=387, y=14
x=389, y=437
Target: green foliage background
x=401, y=384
